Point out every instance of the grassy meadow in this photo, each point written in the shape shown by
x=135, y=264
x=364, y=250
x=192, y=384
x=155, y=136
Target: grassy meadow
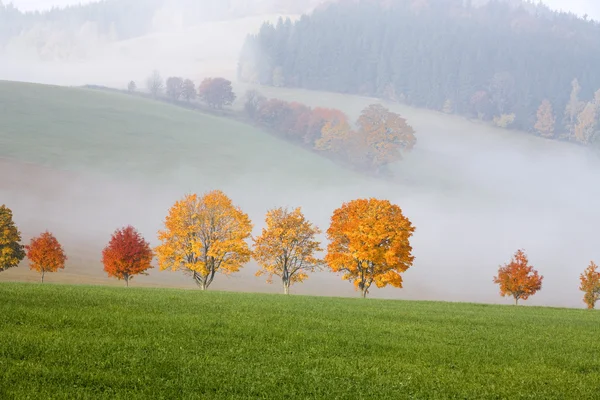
x=117, y=134
x=97, y=342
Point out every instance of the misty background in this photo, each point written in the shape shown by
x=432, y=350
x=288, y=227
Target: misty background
x=476, y=194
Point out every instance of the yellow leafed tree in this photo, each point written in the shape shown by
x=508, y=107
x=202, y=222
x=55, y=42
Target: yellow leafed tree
x=204, y=236
x=586, y=124
x=287, y=246
x=385, y=134
x=370, y=243
x=335, y=136
x=545, y=120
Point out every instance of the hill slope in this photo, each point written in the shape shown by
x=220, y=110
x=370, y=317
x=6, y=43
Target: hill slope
x=83, y=163
x=90, y=342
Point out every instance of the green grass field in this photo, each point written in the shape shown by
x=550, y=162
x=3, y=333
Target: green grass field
x=92, y=342
x=112, y=133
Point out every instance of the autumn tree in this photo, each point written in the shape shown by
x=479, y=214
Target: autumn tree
x=370, y=243
x=336, y=136
x=287, y=246
x=203, y=236
x=585, y=128
x=573, y=108
x=545, y=120
x=155, y=84
x=189, y=90
x=504, y=120
x=385, y=135
x=45, y=254
x=319, y=117
x=216, y=92
x=518, y=279
x=127, y=254
x=590, y=285
x=174, y=87
x=11, y=250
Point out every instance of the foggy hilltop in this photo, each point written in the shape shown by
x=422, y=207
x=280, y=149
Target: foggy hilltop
x=475, y=191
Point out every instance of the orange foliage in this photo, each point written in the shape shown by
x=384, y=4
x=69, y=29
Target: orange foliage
x=385, y=134
x=319, y=117
x=45, y=254
x=518, y=279
x=216, y=92
x=590, y=285
x=203, y=236
x=370, y=243
x=127, y=254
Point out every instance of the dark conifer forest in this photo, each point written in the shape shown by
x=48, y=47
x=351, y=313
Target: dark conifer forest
x=516, y=65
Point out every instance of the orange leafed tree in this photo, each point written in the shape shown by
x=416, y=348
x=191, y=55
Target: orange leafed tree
x=370, y=243
x=385, y=134
x=590, y=285
x=518, y=279
x=127, y=254
x=45, y=254
x=203, y=236
x=216, y=92
x=287, y=246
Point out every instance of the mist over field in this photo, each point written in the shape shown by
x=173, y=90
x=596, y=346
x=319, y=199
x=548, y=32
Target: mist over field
x=475, y=193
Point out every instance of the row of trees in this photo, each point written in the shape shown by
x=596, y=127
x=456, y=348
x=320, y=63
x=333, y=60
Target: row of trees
x=215, y=92
x=489, y=62
x=369, y=243
x=378, y=138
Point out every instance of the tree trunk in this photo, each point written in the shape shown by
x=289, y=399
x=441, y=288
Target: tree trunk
x=286, y=288
x=516, y=301
x=203, y=285
x=43, y=272
x=126, y=281
x=364, y=293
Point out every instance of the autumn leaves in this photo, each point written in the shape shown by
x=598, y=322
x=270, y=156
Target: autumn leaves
x=377, y=139
x=207, y=236
x=204, y=236
x=369, y=242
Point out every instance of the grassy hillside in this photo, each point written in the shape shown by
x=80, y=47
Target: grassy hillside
x=91, y=342
x=110, y=132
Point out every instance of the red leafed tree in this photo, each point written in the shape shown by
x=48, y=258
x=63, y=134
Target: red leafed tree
x=45, y=254
x=216, y=92
x=127, y=254
x=318, y=119
x=590, y=285
x=518, y=279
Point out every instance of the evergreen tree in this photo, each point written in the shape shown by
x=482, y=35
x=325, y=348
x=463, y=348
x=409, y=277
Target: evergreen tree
x=489, y=60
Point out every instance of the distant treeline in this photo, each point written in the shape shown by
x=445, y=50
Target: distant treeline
x=521, y=67
x=126, y=19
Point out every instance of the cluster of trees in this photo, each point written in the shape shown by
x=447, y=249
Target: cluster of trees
x=208, y=235
x=523, y=67
x=377, y=139
x=214, y=92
